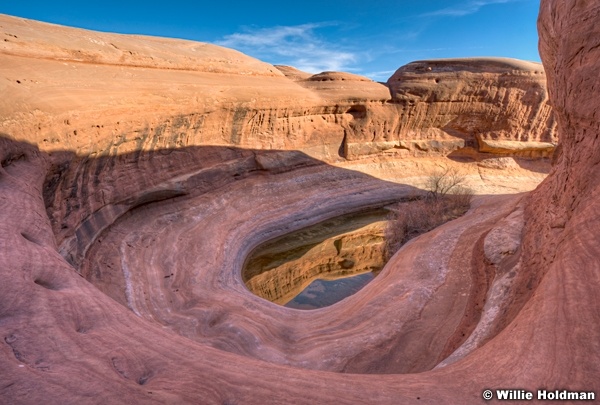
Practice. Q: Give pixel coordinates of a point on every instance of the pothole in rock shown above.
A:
(319, 265)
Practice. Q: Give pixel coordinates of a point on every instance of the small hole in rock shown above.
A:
(144, 379)
(30, 238)
(47, 284)
(10, 339)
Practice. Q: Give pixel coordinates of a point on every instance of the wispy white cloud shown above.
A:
(465, 8)
(442, 49)
(298, 46)
(380, 76)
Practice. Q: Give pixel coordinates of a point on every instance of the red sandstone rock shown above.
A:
(162, 220)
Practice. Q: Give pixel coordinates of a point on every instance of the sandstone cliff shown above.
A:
(98, 98)
(476, 101)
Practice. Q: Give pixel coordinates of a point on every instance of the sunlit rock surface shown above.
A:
(138, 174)
(479, 101)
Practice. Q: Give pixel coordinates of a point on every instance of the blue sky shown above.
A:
(371, 38)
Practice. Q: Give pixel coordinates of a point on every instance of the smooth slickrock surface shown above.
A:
(137, 174)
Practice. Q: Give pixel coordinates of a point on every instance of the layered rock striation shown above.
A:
(479, 101)
(99, 96)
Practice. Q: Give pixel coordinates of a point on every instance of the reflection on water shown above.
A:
(319, 265)
(323, 293)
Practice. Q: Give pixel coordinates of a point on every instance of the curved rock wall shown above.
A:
(561, 235)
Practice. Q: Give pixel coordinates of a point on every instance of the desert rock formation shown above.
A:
(139, 173)
(480, 102)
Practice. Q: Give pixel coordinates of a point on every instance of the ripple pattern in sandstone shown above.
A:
(65, 341)
(179, 263)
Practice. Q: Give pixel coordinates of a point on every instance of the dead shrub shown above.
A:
(442, 182)
(446, 200)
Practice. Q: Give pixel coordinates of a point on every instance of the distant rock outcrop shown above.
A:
(164, 93)
(479, 101)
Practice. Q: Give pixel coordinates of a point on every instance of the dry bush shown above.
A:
(442, 182)
(447, 200)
